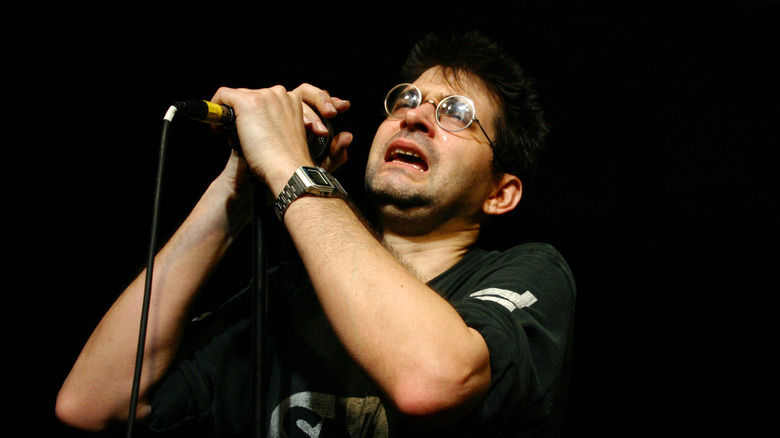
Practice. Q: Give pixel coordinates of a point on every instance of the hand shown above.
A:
(328, 106)
(270, 125)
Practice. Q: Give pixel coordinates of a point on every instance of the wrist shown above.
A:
(229, 204)
(307, 181)
(277, 177)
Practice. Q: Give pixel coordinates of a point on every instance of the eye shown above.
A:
(400, 99)
(455, 113)
(407, 100)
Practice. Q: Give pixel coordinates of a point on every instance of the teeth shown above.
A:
(409, 158)
(407, 153)
(411, 154)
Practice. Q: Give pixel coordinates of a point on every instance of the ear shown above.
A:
(505, 197)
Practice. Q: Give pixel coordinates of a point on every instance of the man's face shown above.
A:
(418, 170)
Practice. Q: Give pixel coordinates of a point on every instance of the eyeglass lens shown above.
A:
(402, 98)
(454, 113)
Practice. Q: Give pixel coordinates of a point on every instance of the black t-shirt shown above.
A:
(520, 300)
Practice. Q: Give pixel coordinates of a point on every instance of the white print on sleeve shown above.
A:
(507, 298)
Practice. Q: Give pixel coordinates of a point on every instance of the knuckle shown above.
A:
(255, 99)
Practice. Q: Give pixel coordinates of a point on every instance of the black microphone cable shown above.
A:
(139, 358)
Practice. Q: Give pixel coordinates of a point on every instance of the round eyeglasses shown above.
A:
(454, 113)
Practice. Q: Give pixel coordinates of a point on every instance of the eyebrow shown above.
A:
(437, 97)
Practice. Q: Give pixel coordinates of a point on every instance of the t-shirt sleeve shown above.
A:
(203, 392)
(523, 307)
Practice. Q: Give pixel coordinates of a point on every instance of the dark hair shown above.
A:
(519, 126)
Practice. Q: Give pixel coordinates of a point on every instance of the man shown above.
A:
(413, 332)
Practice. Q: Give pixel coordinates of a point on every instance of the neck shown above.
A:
(431, 254)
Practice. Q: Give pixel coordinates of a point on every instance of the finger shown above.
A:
(340, 143)
(218, 98)
(225, 94)
(318, 104)
(338, 151)
(313, 121)
(341, 104)
(317, 98)
(327, 105)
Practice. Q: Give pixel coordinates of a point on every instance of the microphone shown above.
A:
(223, 115)
(207, 112)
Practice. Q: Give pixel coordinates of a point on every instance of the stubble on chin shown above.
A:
(388, 195)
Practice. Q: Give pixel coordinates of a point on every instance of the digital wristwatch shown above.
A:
(307, 180)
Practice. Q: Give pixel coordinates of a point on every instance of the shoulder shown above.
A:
(536, 269)
(534, 253)
(537, 260)
(527, 262)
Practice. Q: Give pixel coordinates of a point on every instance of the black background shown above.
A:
(657, 186)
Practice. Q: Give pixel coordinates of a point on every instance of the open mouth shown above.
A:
(407, 157)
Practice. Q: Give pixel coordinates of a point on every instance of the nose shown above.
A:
(422, 118)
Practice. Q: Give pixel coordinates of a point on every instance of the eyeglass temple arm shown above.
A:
(484, 132)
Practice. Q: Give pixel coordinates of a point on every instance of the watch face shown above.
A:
(317, 177)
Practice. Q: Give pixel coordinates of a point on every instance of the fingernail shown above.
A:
(320, 126)
(330, 107)
(306, 119)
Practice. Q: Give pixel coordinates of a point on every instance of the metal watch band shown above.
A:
(307, 181)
